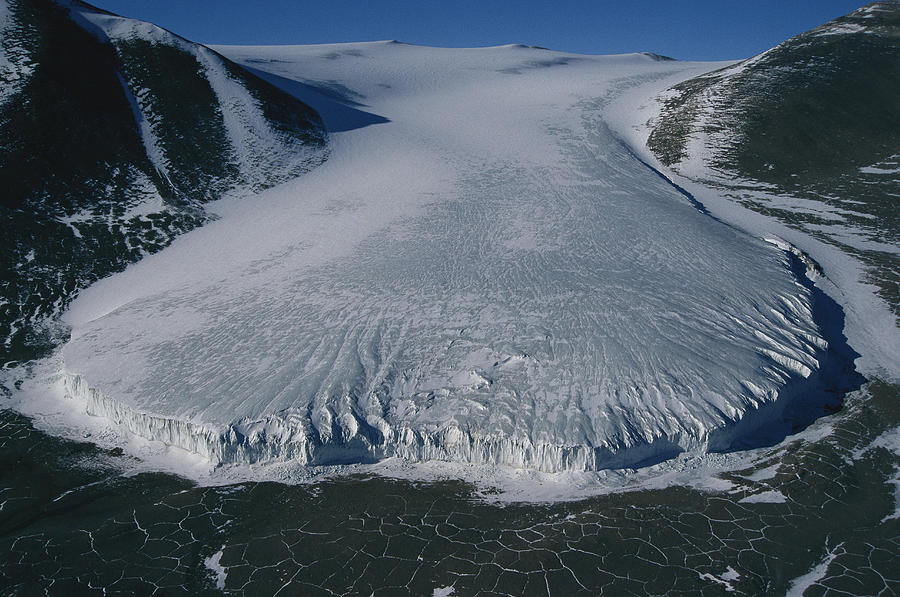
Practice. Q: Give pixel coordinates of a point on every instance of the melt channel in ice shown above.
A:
(480, 272)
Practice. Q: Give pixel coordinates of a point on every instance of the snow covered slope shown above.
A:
(113, 133)
(481, 272)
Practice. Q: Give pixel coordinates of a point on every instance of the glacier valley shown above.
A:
(402, 320)
(483, 271)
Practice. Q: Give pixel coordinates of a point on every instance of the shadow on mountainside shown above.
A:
(337, 109)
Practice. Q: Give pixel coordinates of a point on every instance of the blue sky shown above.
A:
(688, 30)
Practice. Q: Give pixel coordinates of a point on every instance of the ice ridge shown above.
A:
(291, 437)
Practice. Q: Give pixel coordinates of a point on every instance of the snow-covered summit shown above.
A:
(481, 272)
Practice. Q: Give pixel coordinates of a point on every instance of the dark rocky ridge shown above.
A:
(815, 118)
(82, 197)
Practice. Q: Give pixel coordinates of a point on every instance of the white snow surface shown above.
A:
(212, 564)
(487, 275)
(723, 579)
(765, 497)
(800, 584)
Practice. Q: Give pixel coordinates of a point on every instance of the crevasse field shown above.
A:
(486, 273)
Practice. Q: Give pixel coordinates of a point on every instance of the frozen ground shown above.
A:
(481, 272)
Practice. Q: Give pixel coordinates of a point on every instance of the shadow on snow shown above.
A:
(337, 105)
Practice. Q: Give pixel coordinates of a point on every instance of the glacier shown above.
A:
(482, 271)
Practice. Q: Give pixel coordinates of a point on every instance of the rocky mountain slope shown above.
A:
(807, 132)
(114, 133)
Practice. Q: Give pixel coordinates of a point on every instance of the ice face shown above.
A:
(490, 276)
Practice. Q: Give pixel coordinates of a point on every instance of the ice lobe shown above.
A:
(488, 277)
